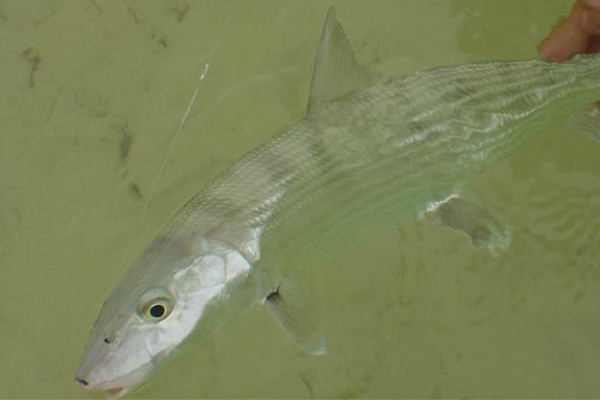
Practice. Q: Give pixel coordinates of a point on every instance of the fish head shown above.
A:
(154, 309)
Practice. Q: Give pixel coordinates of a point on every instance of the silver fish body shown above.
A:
(367, 159)
(384, 154)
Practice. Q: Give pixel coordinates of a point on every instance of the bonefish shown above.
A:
(368, 155)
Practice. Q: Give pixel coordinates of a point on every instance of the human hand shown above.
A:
(579, 33)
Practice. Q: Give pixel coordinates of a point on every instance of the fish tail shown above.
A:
(588, 72)
(587, 121)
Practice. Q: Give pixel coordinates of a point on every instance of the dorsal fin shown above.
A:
(336, 71)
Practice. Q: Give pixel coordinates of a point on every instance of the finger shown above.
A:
(564, 42)
(592, 3)
(574, 35)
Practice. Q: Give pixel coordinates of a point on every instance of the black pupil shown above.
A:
(157, 310)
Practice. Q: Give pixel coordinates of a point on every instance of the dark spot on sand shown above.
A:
(135, 189)
(179, 11)
(161, 39)
(126, 138)
(32, 57)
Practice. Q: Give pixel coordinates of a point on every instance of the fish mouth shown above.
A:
(115, 388)
(116, 392)
(110, 389)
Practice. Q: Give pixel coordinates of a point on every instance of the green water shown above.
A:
(92, 94)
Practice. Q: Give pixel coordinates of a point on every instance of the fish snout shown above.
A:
(110, 392)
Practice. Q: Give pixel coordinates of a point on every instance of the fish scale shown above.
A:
(385, 172)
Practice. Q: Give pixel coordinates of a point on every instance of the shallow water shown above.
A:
(93, 94)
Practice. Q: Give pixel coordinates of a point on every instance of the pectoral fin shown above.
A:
(483, 228)
(587, 122)
(292, 307)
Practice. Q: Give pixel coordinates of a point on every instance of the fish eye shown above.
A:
(157, 311)
(155, 305)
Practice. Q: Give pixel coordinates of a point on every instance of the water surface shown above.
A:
(92, 96)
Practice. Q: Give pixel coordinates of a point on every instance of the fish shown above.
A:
(369, 155)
